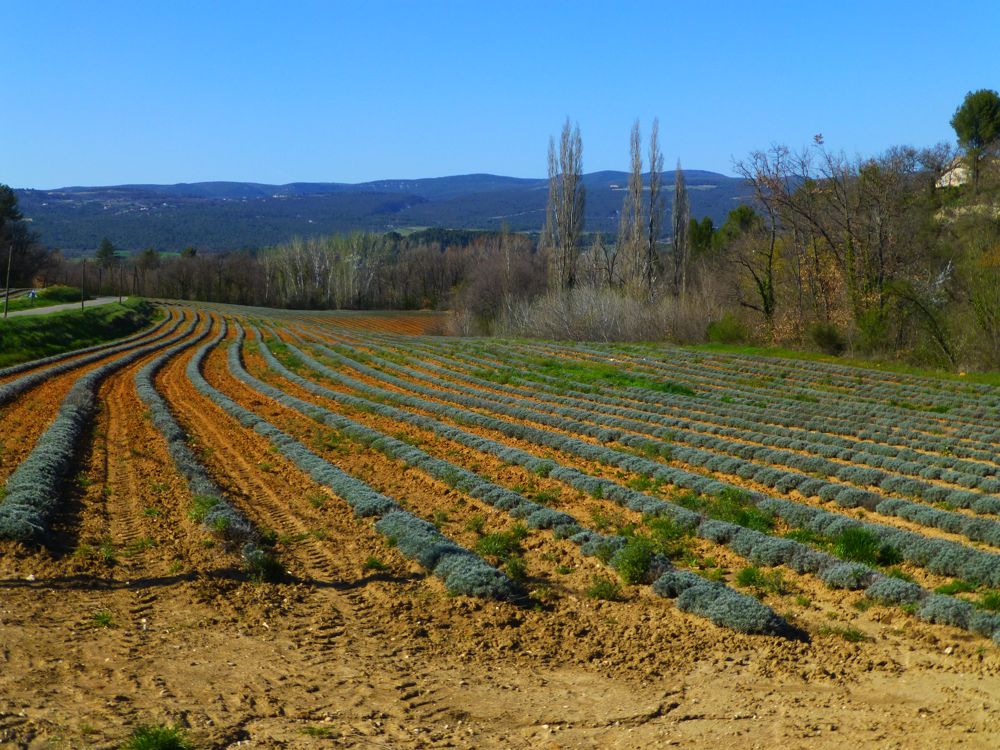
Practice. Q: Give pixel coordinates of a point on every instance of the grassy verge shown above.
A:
(986, 378)
(53, 295)
(37, 336)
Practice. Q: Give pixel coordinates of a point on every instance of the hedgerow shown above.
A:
(105, 347)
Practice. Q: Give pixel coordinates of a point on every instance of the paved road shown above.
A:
(58, 308)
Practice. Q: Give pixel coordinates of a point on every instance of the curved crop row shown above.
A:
(32, 491)
(746, 459)
(757, 547)
(720, 421)
(216, 514)
(462, 571)
(22, 366)
(716, 601)
(13, 389)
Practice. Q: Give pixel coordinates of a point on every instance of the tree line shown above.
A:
(894, 254)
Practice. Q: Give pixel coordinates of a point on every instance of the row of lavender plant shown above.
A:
(756, 546)
(216, 514)
(32, 492)
(11, 390)
(461, 570)
(711, 599)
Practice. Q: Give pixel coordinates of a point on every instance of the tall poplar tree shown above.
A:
(680, 241)
(654, 213)
(631, 244)
(564, 212)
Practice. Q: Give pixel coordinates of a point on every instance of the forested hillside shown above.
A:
(233, 215)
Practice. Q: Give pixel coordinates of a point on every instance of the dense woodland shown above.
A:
(890, 255)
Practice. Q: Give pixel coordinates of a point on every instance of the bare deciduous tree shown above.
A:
(631, 245)
(654, 215)
(680, 242)
(564, 213)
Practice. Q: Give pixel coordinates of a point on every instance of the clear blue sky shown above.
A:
(104, 92)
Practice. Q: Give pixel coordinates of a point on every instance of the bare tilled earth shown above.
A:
(345, 658)
(132, 614)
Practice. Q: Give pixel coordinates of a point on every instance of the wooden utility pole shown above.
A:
(6, 296)
(83, 284)
(121, 282)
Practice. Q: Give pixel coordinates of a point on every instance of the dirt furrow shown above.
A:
(319, 542)
(358, 648)
(804, 599)
(23, 421)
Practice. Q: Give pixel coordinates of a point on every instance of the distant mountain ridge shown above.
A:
(230, 215)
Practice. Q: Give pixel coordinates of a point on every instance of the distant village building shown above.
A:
(955, 175)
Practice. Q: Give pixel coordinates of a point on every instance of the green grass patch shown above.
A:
(36, 336)
(502, 545)
(732, 505)
(762, 582)
(634, 559)
(200, 505)
(849, 634)
(863, 546)
(805, 536)
(148, 737)
(604, 589)
(373, 563)
(476, 524)
(737, 507)
(516, 568)
(934, 408)
(590, 374)
(668, 538)
(990, 600)
(53, 295)
(287, 358)
(318, 732)
(958, 586)
(140, 545)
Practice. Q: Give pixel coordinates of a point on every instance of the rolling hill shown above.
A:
(229, 215)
